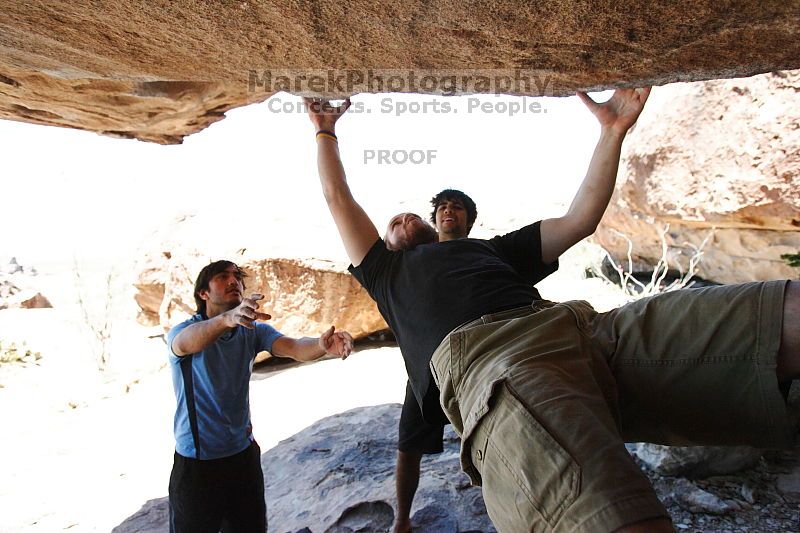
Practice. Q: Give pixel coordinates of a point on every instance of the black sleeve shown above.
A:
(522, 249)
(372, 268)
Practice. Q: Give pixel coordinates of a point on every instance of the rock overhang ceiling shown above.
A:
(159, 71)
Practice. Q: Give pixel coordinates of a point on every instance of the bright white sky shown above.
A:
(70, 193)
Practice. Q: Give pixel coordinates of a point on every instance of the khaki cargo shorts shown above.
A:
(544, 398)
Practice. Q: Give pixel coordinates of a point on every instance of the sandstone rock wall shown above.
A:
(160, 71)
(720, 155)
(305, 296)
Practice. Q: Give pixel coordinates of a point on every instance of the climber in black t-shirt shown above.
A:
(545, 394)
(453, 215)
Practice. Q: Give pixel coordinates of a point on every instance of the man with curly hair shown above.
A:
(453, 214)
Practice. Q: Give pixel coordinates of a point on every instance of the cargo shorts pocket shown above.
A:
(527, 476)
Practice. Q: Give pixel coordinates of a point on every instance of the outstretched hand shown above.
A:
(246, 313)
(338, 343)
(620, 112)
(324, 115)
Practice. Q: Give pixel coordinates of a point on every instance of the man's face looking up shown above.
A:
(451, 220)
(407, 230)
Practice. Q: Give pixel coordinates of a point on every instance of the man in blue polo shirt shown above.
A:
(216, 480)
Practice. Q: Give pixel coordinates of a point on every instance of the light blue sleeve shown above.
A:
(266, 336)
(171, 336)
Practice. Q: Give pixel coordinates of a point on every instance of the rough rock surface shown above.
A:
(343, 466)
(789, 484)
(752, 501)
(305, 296)
(161, 71)
(718, 154)
(338, 476)
(697, 460)
(697, 500)
(17, 287)
(341, 470)
(302, 296)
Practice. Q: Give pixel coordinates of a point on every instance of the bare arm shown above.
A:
(198, 336)
(357, 231)
(331, 342)
(584, 214)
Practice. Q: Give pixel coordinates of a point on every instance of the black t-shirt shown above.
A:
(425, 293)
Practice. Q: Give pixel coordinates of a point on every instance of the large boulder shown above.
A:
(697, 461)
(304, 295)
(716, 159)
(158, 72)
(337, 476)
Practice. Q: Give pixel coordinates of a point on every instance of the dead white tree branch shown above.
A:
(633, 288)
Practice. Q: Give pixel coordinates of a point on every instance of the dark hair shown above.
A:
(204, 277)
(454, 194)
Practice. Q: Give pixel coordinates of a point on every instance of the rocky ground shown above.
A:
(339, 474)
(763, 499)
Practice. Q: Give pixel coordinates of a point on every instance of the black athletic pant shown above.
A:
(218, 494)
